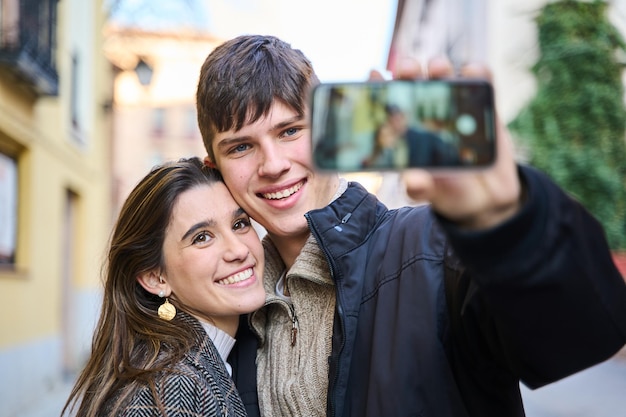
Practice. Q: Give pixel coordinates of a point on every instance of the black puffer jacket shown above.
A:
(418, 333)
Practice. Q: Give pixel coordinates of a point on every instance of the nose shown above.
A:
(235, 250)
(274, 161)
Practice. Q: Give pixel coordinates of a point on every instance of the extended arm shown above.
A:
(546, 284)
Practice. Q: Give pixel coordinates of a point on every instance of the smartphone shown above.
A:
(394, 125)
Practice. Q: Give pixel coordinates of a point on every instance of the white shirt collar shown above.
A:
(222, 341)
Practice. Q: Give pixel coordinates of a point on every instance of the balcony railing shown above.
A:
(28, 43)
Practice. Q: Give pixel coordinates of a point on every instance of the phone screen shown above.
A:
(393, 125)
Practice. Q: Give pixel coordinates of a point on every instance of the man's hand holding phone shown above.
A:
(475, 199)
(451, 148)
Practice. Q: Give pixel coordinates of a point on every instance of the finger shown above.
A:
(408, 69)
(440, 67)
(419, 184)
(505, 152)
(375, 75)
(475, 70)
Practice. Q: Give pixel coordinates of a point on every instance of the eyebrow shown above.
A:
(227, 142)
(238, 212)
(201, 225)
(210, 223)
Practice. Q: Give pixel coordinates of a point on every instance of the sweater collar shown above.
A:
(310, 264)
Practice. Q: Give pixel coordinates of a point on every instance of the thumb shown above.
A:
(419, 184)
(375, 75)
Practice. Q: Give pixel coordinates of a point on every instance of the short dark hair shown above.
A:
(242, 77)
(391, 109)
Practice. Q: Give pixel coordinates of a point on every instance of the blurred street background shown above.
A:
(93, 93)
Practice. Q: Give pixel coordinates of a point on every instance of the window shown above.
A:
(28, 42)
(158, 122)
(76, 100)
(191, 123)
(8, 209)
(9, 27)
(74, 92)
(38, 25)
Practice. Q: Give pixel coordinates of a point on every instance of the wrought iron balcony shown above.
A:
(28, 43)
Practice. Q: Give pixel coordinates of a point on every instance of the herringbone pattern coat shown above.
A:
(198, 386)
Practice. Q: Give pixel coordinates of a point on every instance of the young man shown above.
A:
(421, 146)
(435, 310)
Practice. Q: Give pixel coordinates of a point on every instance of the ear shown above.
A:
(209, 163)
(153, 283)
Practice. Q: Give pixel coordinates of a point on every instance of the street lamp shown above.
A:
(144, 72)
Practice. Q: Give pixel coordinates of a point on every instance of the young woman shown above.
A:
(184, 263)
(388, 152)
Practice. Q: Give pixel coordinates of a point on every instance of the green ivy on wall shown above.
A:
(575, 126)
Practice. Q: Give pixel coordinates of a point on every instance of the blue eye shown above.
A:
(240, 148)
(291, 131)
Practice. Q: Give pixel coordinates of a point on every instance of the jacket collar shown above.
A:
(339, 227)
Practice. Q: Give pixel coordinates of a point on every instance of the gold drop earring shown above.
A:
(166, 310)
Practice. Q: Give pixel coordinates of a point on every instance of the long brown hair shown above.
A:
(130, 343)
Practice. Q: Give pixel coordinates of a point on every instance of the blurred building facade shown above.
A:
(499, 33)
(154, 112)
(54, 190)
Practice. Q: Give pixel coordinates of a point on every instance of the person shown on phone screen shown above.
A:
(436, 310)
(422, 147)
(389, 150)
(183, 264)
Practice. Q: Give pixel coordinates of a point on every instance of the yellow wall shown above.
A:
(38, 131)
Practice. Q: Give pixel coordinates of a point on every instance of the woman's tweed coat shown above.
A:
(198, 385)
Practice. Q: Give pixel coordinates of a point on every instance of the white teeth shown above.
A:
(284, 193)
(240, 276)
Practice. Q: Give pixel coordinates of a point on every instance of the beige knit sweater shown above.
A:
(292, 360)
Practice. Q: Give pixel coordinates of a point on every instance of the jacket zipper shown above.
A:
(294, 324)
(338, 304)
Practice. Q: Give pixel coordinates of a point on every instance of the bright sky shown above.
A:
(344, 39)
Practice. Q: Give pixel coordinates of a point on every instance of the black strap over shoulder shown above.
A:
(243, 361)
